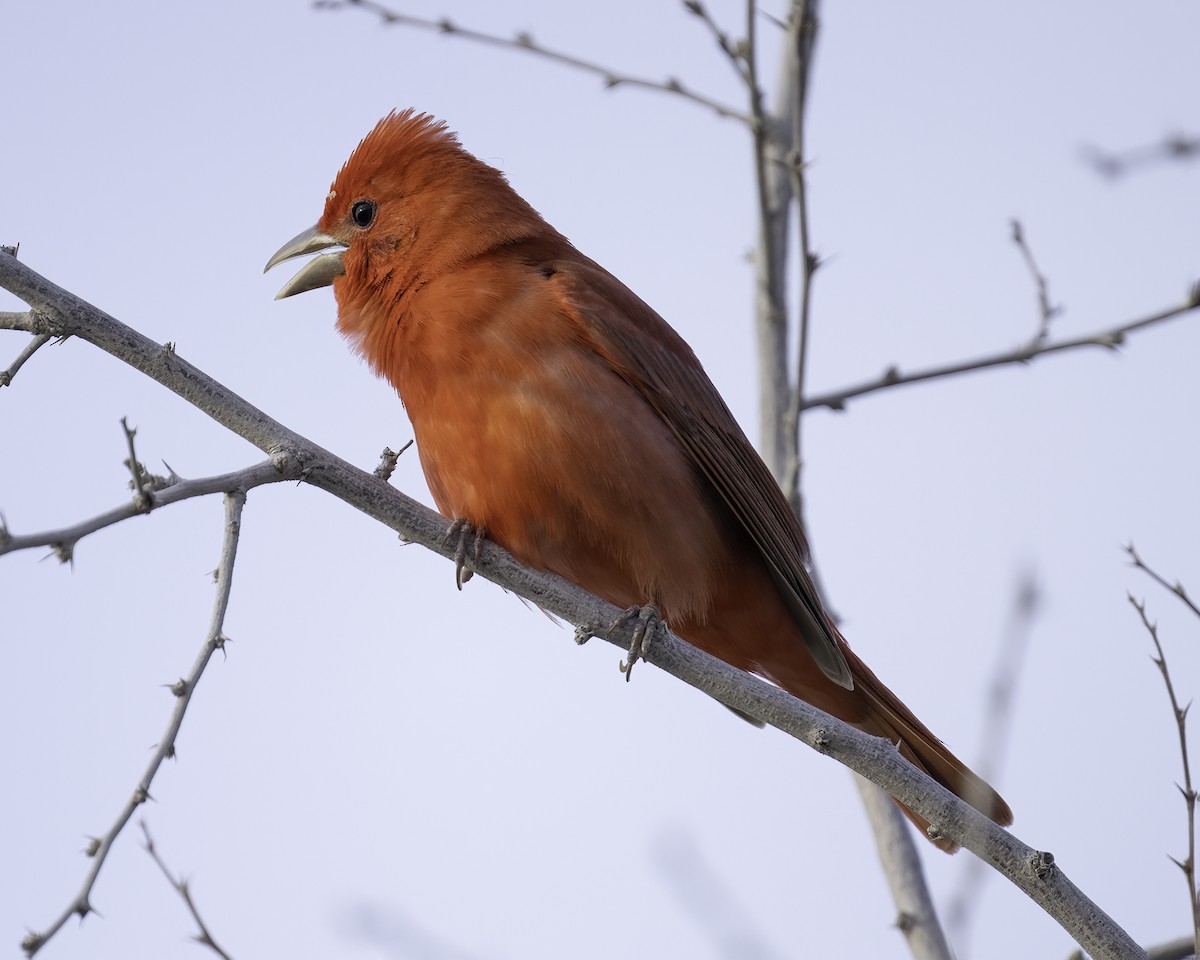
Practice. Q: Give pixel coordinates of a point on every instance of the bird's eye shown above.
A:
(363, 213)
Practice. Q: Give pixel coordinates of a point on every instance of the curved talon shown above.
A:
(649, 625)
(463, 530)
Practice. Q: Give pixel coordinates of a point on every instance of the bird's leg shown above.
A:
(462, 531)
(649, 624)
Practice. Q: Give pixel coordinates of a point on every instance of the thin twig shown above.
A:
(34, 345)
(1046, 309)
(734, 51)
(143, 496)
(183, 689)
(1110, 339)
(1175, 588)
(63, 541)
(204, 937)
(1188, 864)
(524, 41)
(1173, 148)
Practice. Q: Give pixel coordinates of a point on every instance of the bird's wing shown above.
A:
(654, 360)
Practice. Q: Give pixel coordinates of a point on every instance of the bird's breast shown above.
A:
(536, 438)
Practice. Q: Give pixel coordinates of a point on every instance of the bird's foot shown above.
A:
(649, 624)
(465, 534)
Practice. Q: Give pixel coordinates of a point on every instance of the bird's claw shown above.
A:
(649, 624)
(460, 532)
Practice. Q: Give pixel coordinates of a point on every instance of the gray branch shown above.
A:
(98, 849)
(60, 313)
(1111, 338)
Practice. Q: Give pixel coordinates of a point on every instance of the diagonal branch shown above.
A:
(1111, 339)
(204, 937)
(183, 689)
(524, 41)
(63, 541)
(1175, 588)
(1034, 872)
(34, 345)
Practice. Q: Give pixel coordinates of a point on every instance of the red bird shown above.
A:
(558, 412)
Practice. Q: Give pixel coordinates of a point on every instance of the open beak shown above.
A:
(319, 271)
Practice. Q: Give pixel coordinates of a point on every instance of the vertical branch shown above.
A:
(802, 35)
(779, 176)
(1188, 864)
(770, 276)
(915, 914)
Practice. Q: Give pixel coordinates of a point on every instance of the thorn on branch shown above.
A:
(143, 498)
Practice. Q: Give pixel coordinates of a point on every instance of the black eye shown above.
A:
(363, 213)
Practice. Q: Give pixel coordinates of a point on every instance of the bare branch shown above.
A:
(802, 35)
(204, 937)
(1034, 872)
(1188, 864)
(916, 917)
(1174, 148)
(1111, 339)
(735, 51)
(1046, 309)
(183, 689)
(143, 497)
(63, 541)
(1175, 588)
(34, 345)
(524, 41)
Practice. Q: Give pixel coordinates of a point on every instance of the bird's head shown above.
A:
(408, 204)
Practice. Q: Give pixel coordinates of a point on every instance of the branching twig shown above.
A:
(143, 498)
(1188, 864)
(1032, 871)
(1110, 339)
(63, 541)
(34, 345)
(733, 50)
(183, 689)
(1046, 309)
(1171, 149)
(204, 937)
(1175, 588)
(524, 41)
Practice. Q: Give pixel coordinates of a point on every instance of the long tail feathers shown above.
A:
(890, 718)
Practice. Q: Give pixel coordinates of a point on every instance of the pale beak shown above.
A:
(318, 272)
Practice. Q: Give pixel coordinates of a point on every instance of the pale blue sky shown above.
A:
(454, 761)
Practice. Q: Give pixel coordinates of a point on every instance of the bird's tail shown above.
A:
(887, 717)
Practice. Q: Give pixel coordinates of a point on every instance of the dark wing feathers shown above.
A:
(665, 371)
